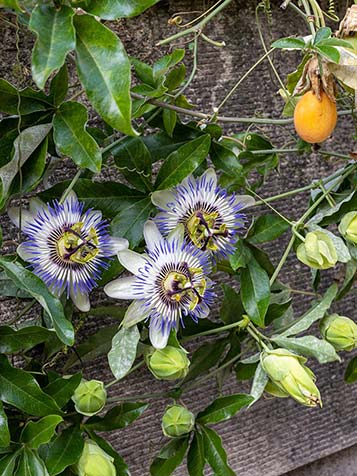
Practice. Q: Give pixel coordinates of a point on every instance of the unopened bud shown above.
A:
(89, 397)
(94, 461)
(340, 331)
(177, 421)
(348, 227)
(169, 363)
(318, 251)
(289, 374)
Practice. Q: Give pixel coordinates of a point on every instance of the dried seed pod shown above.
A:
(317, 77)
(348, 26)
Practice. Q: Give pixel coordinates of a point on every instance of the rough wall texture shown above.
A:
(275, 436)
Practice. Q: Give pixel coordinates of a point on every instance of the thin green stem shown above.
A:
(194, 68)
(112, 145)
(245, 75)
(271, 207)
(70, 186)
(256, 337)
(133, 369)
(283, 259)
(215, 331)
(142, 396)
(219, 44)
(198, 27)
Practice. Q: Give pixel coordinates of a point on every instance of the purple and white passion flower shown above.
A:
(66, 246)
(211, 218)
(169, 282)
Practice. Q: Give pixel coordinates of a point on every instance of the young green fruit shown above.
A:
(348, 227)
(89, 397)
(94, 462)
(340, 331)
(318, 251)
(170, 363)
(177, 421)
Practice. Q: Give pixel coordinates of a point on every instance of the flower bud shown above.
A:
(169, 363)
(94, 461)
(289, 374)
(177, 421)
(340, 331)
(318, 251)
(348, 227)
(89, 397)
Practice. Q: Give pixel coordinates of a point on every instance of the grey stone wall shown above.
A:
(273, 437)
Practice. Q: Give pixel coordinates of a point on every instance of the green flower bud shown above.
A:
(89, 397)
(274, 390)
(340, 331)
(318, 251)
(169, 363)
(348, 227)
(289, 374)
(94, 461)
(177, 421)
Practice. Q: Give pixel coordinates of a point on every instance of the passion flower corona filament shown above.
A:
(67, 246)
(211, 218)
(170, 281)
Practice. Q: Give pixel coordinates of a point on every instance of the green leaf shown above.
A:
(30, 464)
(314, 314)
(129, 223)
(24, 146)
(322, 34)
(169, 458)
(96, 345)
(65, 450)
(123, 352)
(169, 118)
(245, 371)
(182, 162)
(164, 64)
(231, 308)
(241, 256)
(112, 9)
(196, 456)
(4, 429)
(13, 4)
(13, 341)
(259, 382)
(72, 139)
(24, 279)
(335, 42)
(120, 416)
(224, 408)
(310, 346)
(7, 464)
(351, 371)
(289, 43)
(55, 39)
(35, 434)
(134, 161)
(175, 77)
(59, 86)
(255, 292)
(215, 453)
(119, 463)
(12, 101)
(205, 357)
(104, 71)
(267, 228)
(329, 52)
(109, 197)
(226, 160)
(61, 389)
(19, 389)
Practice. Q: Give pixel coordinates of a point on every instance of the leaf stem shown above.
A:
(70, 186)
(196, 28)
(283, 259)
(215, 331)
(135, 367)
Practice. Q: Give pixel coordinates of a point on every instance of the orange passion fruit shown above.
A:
(315, 119)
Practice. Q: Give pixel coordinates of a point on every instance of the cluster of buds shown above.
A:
(170, 363)
(348, 227)
(290, 377)
(177, 421)
(340, 331)
(94, 462)
(89, 397)
(317, 251)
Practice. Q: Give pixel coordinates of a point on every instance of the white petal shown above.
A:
(131, 261)
(72, 196)
(135, 313)
(80, 300)
(22, 251)
(244, 200)
(118, 244)
(94, 215)
(14, 215)
(205, 310)
(161, 198)
(36, 205)
(211, 176)
(157, 338)
(177, 233)
(152, 235)
(121, 288)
